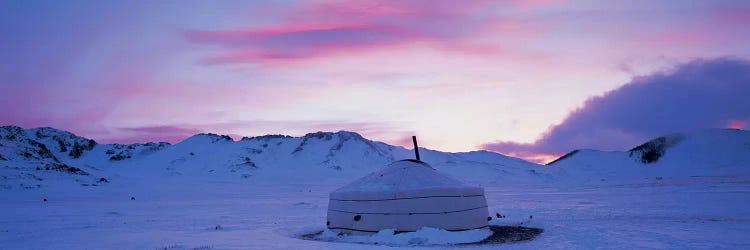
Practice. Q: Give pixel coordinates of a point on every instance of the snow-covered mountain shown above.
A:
(708, 153)
(45, 157)
(29, 158)
(38, 157)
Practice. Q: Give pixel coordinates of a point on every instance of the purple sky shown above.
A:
(531, 78)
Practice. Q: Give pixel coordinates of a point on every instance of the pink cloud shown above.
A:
(169, 134)
(331, 28)
(41, 105)
(716, 27)
(97, 111)
(299, 43)
(535, 3)
(735, 16)
(359, 10)
(737, 124)
(175, 133)
(381, 131)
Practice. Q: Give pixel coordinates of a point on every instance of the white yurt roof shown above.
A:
(405, 179)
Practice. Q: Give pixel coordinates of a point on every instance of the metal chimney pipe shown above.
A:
(416, 147)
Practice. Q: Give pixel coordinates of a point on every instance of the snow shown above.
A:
(403, 179)
(425, 236)
(704, 213)
(695, 196)
(702, 153)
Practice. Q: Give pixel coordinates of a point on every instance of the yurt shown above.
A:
(405, 196)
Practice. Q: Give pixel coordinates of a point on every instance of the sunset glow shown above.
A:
(461, 75)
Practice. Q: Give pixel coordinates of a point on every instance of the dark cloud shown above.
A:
(698, 94)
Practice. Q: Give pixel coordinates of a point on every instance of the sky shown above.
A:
(527, 78)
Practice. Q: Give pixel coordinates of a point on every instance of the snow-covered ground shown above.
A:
(709, 213)
(267, 192)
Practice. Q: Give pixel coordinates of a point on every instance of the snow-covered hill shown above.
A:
(31, 158)
(708, 153)
(46, 157)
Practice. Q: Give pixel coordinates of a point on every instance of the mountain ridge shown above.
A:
(27, 154)
(46, 157)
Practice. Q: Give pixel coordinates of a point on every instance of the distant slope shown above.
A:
(702, 153)
(31, 158)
